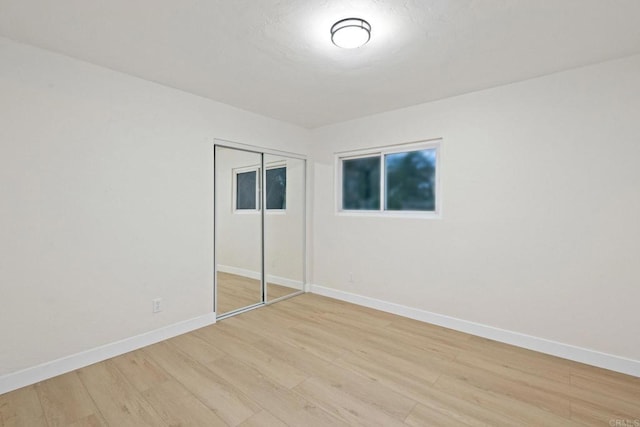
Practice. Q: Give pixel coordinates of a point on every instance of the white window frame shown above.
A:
(261, 177)
(434, 144)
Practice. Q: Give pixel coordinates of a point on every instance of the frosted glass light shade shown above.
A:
(350, 33)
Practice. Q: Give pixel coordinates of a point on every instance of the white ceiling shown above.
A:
(275, 57)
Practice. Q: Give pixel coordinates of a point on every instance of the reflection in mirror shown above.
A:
(238, 228)
(284, 225)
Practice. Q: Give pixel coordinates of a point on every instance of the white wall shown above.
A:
(541, 210)
(106, 201)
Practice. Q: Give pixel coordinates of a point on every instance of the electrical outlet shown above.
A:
(157, 305)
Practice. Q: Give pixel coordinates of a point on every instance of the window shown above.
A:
(361, 183)
(247, 188)
(400, 180)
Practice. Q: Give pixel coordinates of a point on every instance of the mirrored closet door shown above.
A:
(259, 228)
(284, 226)
(238, 228)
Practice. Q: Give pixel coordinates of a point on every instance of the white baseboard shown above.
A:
(282, 281)
(32, 375)
(542, 345)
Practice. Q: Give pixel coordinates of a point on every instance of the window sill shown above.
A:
(256, 212)
(392, 214)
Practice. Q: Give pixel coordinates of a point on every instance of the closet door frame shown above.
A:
(261, 151)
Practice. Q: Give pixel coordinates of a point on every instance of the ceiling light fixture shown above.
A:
(350, 33)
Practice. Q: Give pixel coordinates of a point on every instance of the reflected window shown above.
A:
(390, 180)
(276, 180)
(247, 189)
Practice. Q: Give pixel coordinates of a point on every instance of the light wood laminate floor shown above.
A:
(235, 292)
(314, 361)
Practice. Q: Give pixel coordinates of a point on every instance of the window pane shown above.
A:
(411, 180)
(246, 190)
(361, 183)
(277, 188)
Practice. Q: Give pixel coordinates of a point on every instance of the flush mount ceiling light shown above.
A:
(350, 33)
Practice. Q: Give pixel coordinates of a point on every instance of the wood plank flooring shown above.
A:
(314, 361)
(236, 292)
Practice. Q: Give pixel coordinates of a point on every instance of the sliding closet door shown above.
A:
(284, 225)
(238, 228)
